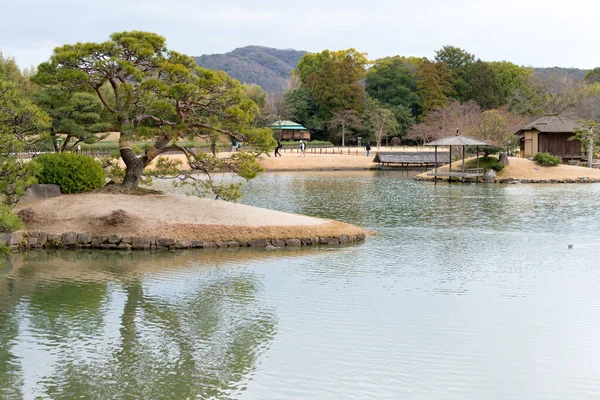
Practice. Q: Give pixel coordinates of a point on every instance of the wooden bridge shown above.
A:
(412, 158)
(459, 173)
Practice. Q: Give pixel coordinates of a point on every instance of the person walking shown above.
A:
(279, 146)
(368, 148)
(302, 148)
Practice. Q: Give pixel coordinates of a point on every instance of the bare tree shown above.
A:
(382, 121)
(345, 122)
(280, 110)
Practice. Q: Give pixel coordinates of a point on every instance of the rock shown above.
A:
(124, 246)
(183, 244)
(117, 217)
(140, 243)
(333, 240)
(504, 159)
(69, 238)
(84, 238)
(27, 215)
(126, 239)
(209, 245)
(293, 242)
(489, 175)
(42, 191)
(165, 242)
(257, 243)
(114, 239)
(32, 241)
(196, 244)
(222, 244)
(102, 239)
(108, 246)
(278, 243)
(5, 239)
(233, 244)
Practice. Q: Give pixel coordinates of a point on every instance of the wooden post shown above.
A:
(436, 166)
(477, 177)
(463, 163)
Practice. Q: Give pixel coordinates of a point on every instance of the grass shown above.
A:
(485, 163)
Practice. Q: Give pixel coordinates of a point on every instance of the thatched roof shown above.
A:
(413, 157)
(551, 124)
(457, 141)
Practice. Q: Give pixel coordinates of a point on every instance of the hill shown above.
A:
(264, 66)
(574, 72)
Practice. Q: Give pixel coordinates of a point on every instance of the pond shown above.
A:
(462, 292)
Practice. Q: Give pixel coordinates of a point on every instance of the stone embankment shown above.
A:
(22, 241)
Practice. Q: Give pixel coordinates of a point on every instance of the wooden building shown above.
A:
(290, 130)
(549, 134)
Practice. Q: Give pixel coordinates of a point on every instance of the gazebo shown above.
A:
(463, 142)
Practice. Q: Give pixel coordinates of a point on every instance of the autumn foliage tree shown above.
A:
(156, 94)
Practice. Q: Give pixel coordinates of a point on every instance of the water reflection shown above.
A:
(113, 325)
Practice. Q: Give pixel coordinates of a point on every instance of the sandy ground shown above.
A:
(174, 216)
(522, 168)
(330, 159)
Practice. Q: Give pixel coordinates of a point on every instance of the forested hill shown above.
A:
(574, 72)
(267, 67)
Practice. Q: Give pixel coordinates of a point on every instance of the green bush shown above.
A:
(497, 166)
(74, 173)
(9, 222)
(546, 159)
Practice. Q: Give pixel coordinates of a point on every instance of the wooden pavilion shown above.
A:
(458, 141)
(290, 130)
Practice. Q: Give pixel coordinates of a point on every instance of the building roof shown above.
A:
(412, 157)
(287, 125)
(456, 141)
(551, 123)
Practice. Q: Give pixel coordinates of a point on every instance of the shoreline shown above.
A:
(167, 222)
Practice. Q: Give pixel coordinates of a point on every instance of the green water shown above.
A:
(465, 292)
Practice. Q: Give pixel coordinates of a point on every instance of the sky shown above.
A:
(539, 33)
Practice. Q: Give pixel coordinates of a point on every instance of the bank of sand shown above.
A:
(177, 217)
(522, 169)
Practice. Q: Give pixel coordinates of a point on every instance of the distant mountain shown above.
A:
(574, 72)
(267, 67)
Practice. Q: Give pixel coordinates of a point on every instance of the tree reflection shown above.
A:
(139, 335)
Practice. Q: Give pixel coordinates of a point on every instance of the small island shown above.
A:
(168, 222)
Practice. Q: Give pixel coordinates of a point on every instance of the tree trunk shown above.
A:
(134, 166)
(343, 134)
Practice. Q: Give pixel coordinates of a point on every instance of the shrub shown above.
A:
(497, 166)
(546, 159)
(9, 222)
(74, 173)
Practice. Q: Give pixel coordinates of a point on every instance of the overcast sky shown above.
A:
(541, 33)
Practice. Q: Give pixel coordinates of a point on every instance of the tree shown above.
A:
(345, 122)
(483, 85)
(493, 130)
(391, 82)
(592, 76)
(459, 62)
(304, 110)
(380, 120)
(336, 86)
(76, 117)
(155, 93)
(280, 110)
(510, 77)
(434, 84)
(314, 62)
(588, 133)
(19, 119)
(445, 121)
(10, 71)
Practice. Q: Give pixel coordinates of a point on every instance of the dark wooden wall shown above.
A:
(295, 134)
(558, 144)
